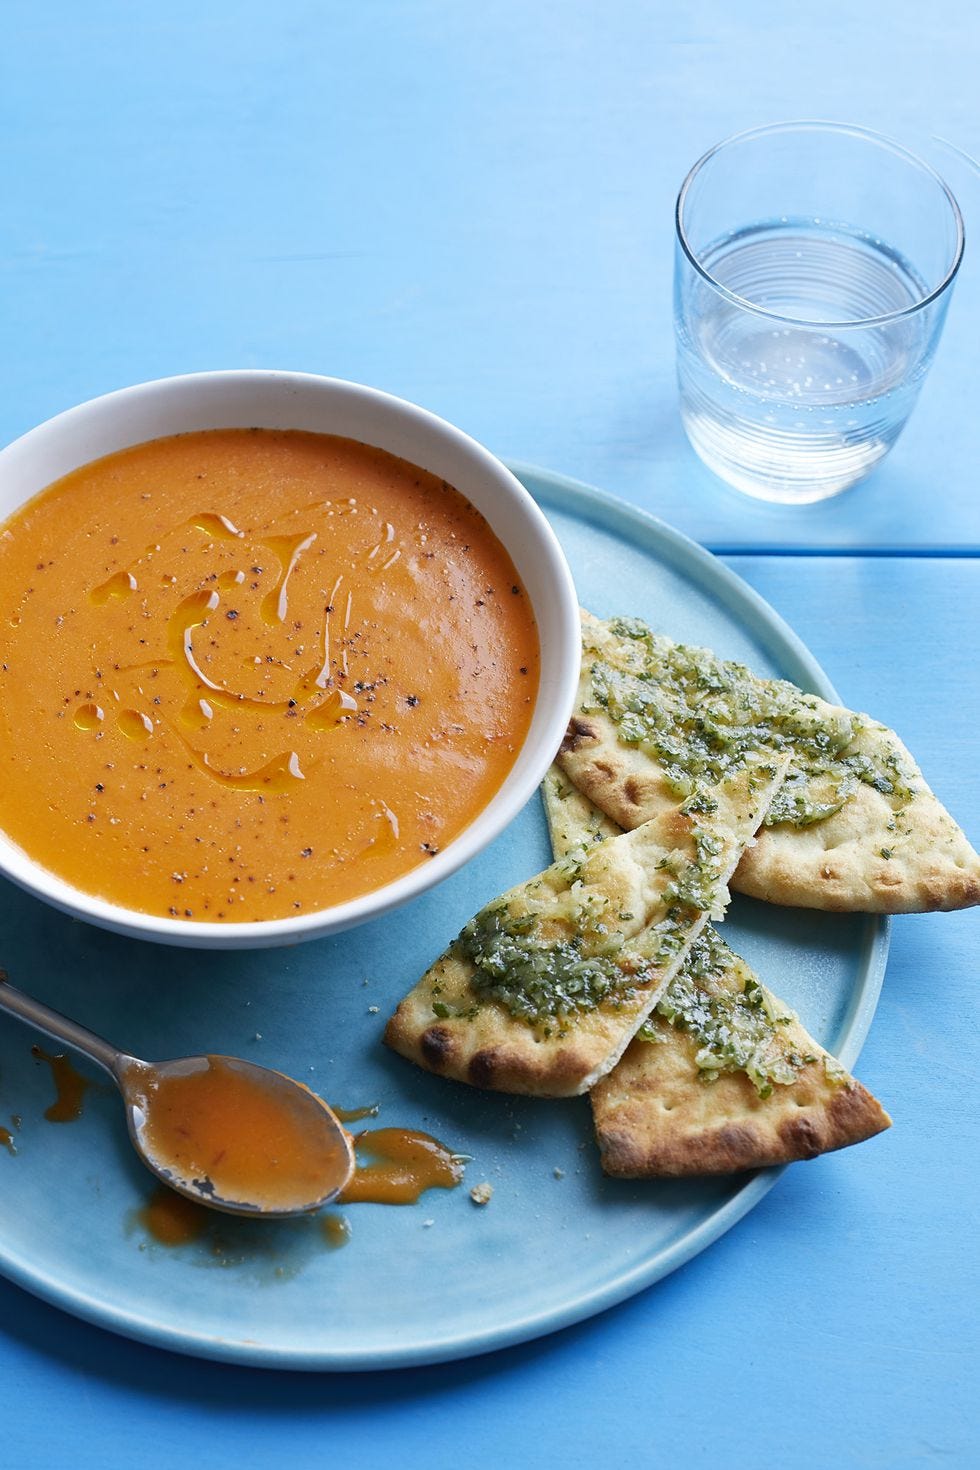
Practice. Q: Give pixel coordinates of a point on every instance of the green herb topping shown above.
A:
(703, 717)
(538, 979)
(736, 1026)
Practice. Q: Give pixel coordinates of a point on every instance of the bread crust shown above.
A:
(654, 1117)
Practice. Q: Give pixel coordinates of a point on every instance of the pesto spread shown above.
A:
(698, 883)
(538, 979)
(702, 717)
(581, 951)
(735, 1025)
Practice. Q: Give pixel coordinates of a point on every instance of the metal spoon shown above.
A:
(290, 1154)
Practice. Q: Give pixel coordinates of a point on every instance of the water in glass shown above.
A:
(801, 394)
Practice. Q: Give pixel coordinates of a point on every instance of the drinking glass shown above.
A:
(814, 266)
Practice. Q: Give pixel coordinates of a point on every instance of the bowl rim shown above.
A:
(555, 695)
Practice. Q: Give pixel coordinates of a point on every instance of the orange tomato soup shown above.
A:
(247, 674)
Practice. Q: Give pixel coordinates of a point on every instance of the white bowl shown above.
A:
(283, 400)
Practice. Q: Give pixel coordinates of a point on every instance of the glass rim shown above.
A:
(816, 125)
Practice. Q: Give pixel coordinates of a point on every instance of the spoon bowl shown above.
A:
(226, 1133)
(235, 1136)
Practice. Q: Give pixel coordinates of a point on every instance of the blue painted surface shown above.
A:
(471, 206)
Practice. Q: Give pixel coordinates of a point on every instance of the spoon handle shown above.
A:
(53, 1024)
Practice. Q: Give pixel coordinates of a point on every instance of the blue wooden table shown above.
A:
(471, 207)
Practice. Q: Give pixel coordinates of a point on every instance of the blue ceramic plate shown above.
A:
(442, 1279)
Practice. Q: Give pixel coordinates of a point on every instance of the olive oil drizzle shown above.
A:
(195, 611)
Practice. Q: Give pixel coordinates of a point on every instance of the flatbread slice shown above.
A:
(855, 826)
(660, 1112)
(722, 1076)
(543, 989)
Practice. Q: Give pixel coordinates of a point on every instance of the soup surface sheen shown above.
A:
(248, 674)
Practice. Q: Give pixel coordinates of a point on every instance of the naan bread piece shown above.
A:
(573, 820)
(543, 989)
(664, 1110)
(855, 827)
(722, 1077)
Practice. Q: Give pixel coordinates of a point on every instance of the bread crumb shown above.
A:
(373, 1010)
(480, 1193)
(558, 1173)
